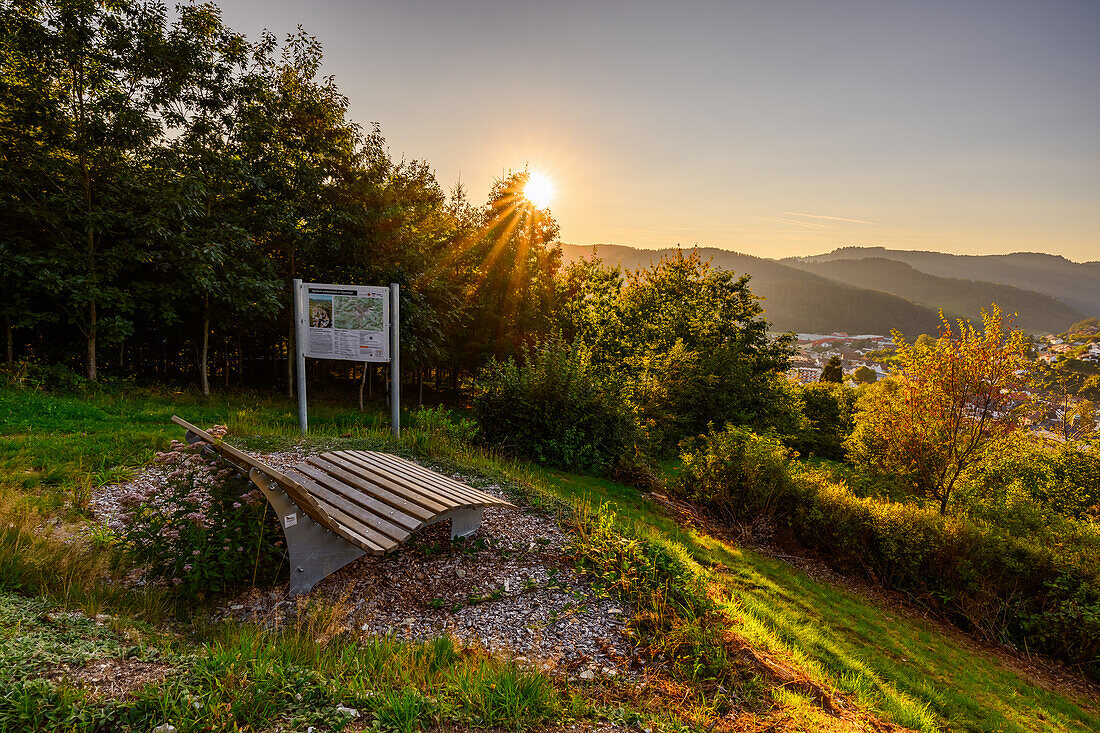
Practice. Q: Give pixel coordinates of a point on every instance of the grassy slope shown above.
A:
(893, 662)
(897, 663)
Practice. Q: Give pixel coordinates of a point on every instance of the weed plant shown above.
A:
(205, 530)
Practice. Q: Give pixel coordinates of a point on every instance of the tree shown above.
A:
(304, 156)
(687, 341)
(832, 371)
(864, 375)
(945, 406)
(514, 255)
(110, 72)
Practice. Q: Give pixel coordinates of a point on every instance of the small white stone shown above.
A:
(236, 607)
(166, 728)
(507, 589)
(587, 674)
(350, 712)
(460, 573)
(614, 610)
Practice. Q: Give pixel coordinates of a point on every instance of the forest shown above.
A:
(169, 178)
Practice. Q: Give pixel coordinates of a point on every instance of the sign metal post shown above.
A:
(395, 358)
(300, 312)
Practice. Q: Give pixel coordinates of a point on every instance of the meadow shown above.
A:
(796, 649)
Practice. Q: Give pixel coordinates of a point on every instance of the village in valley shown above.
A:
(1063, 402)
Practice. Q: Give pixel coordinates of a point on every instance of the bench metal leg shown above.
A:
(465, 522)
(315, 552)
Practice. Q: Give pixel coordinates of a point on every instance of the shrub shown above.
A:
(439, 421)
(48, 377)
(207, 530)
(551, 408)
(734, 471)
(828, 410)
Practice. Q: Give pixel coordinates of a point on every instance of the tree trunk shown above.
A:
(363, 383)
(10, 352)
(92, 326)
(420, 384)
(204, 363)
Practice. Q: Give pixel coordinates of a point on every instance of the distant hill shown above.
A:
(794, 299)
(1077, 284)
(958, 297)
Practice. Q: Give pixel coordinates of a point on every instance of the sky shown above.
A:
(774, 128)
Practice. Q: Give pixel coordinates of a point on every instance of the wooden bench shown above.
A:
(336, 507)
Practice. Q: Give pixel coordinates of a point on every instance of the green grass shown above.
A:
(241, 677)
(889, 661)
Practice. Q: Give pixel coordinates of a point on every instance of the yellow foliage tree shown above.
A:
(945, 404)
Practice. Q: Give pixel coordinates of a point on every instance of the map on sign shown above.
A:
(357, 314)
(346, 321)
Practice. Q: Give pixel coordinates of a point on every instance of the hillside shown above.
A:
(794, 299)
(958, 297)
(1073, 283)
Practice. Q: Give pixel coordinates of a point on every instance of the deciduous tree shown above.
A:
(944, 406)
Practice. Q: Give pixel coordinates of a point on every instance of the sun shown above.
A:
(539, 190)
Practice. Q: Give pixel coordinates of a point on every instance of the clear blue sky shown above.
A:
(774, 128)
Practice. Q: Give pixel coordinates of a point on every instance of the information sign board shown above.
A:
(345, 322)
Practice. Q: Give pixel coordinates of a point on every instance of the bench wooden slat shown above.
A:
(414, 472)
(337, 480)
(418, 494)
(417, 471)
(367, 525)
(450, 498)
(380, 546)
(369, 484)
(344, 526)
(333, 491)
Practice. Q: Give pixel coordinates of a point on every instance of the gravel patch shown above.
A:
(510, 588)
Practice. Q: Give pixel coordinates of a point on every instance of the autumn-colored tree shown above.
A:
(944, 406)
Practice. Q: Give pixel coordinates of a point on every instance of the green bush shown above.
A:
(552, 409)
(441, 422)
(48, 377)
(207, 531)
(734, 471)
(828, 410)
(1042, 591)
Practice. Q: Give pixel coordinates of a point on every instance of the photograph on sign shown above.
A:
(346, 322)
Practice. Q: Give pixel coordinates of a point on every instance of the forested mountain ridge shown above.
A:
(1077, 284)
(794, 300)
(956, 296)
(824, 293)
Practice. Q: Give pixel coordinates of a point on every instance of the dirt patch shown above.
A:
(111, 679)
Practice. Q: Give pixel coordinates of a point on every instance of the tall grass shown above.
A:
(36, 560)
